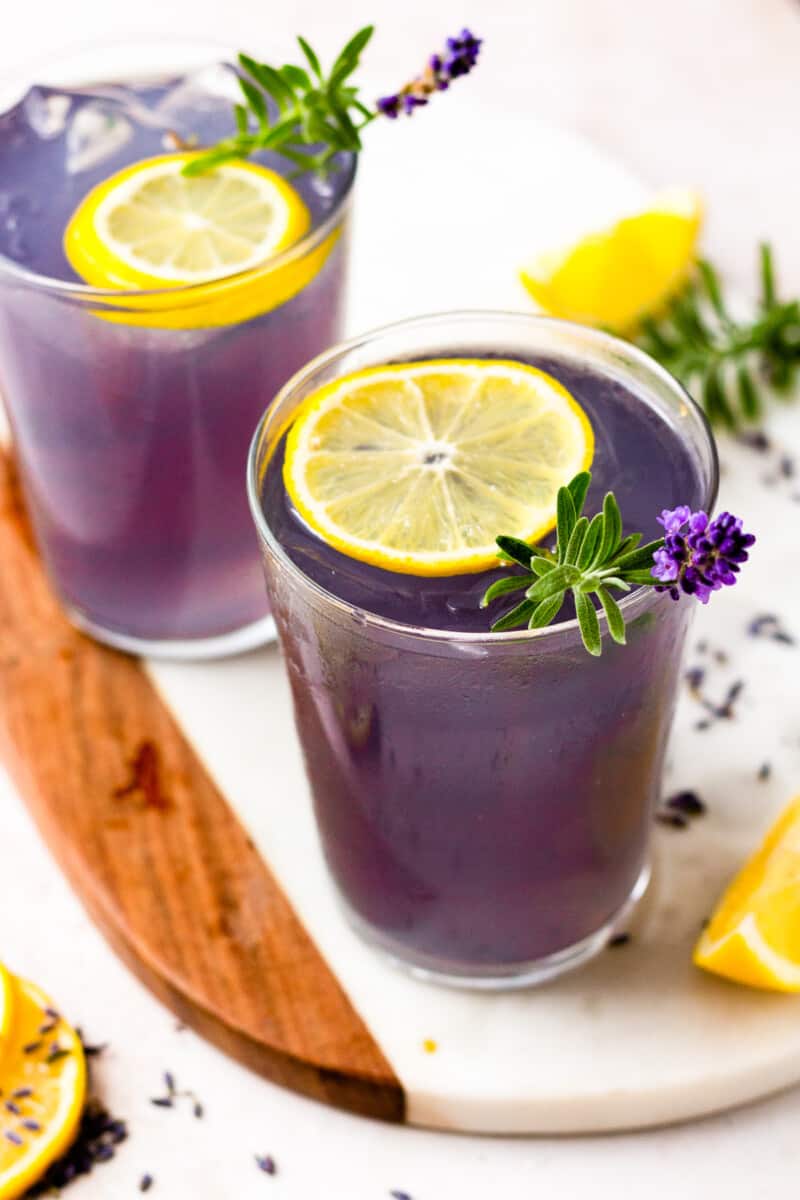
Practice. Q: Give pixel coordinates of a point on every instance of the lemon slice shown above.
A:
(43, 1076)
(417, 467)
(615, 277)
(754, 934)
(150, 227)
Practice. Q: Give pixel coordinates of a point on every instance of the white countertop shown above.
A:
(695, 91)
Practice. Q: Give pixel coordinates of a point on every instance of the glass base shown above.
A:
(517, 975)
(260, 633)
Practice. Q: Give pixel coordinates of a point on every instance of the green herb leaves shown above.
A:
(723, 362)
(591, 557)
(312, 117)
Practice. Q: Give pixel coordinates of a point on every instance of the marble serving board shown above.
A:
(174, 797)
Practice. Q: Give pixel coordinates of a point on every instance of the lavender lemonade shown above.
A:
(484, 800)
(131, 424)
(172, 248)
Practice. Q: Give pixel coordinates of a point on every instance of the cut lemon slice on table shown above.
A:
(754, 934)
(417, 467)
(151, 227)
(6, 1007)
(43, 1081)
(616, 276)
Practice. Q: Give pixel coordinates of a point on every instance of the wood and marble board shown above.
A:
(173, 797)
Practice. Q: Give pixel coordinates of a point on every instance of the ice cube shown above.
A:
(201, 91)
(96, 132)
(47, 112)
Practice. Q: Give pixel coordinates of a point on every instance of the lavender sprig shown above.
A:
(592, 558)
(458, 58)
(726, 363)
(309, 116)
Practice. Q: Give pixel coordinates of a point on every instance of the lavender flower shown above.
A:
(458, 58)
(699, 556)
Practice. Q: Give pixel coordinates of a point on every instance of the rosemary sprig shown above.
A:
(725, 363)
(591, 557)
(309, 108)
(309, 116)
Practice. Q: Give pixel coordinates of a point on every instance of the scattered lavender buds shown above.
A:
(723, 711)
(145, 1183)
(699, 556)
(754, 439)
(619, 940)
(678, 810)
(267, 1164)
(399, 1195)
(769, 626)
(98, 1136)
(174, 1093)
(687, 803)
(458, 58)
(673, 819)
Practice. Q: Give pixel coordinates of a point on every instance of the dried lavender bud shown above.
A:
(674, 819)
(145, 1183)
(266, 1163)
(688, 804)
(694, 677)
(764, 771)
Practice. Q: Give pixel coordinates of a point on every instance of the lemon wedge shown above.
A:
(754, 934)
(6, 1006)
(417, 467)
(44, 1077)
(615, 277)
(149, 227)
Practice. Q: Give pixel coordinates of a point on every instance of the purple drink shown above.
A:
(132, 436)
(485, 801)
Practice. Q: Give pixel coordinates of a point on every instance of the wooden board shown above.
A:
(156, 854)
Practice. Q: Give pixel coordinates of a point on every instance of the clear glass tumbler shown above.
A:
(132, 412)
(485, 801)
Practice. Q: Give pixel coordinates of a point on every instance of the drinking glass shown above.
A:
(485, 802)
(131, 412)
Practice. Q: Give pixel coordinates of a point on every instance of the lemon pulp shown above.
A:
(754, 934)
(614, 277)
(417, 467)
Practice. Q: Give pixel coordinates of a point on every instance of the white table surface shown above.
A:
(697, 90)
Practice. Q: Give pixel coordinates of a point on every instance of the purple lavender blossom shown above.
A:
(699, 556)
(458, 58)
(389, 106)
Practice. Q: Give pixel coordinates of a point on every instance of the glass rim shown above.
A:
(638, 600)
(186, 295)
